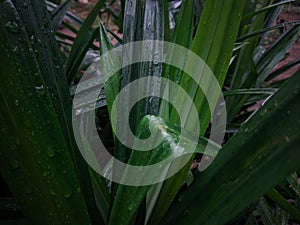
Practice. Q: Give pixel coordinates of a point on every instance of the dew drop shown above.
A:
(17, 141)
(287, 139)
(27, 123)
(25, 5)
(28, 191)
(52, 192)
(16, 50)
(186, 212)
(15, 164)
(67, 192)
(12, 26)
(50, 152)
(40, 89)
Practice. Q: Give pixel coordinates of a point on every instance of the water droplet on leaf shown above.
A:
(40, 89)
(52, 192)
(16, 50)
(27, 123)
(15, 164)
(28, 191)
(67, 192)
(12, 26)
(50, 152)
(25, 5)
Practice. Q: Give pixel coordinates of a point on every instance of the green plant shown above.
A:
(39, 158)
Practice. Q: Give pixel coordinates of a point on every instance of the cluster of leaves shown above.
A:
(39, 158)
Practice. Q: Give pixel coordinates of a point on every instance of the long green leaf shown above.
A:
(264, 30)
(266, 214)
(276, 53)
(82, 42)
(149, 17)
(58, 15)
(244, 75)
(38, 28)
(35, 160)
(182, 35)
(128, 198)
(284, 204)
(213, 44)
(51, 7)
(248, 166)
(267, 8)
(251, 91)
(283, 69)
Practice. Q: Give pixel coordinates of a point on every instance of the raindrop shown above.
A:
(32, 39)
(77, 112)
(12, 26)
(52, 192)
(186, 212)
(28, 191)
(27, 123)
(222, 103)
(15, 164)
(25, 5)
(16, 102)
(16, 50)
(67, 191)
(40, 89)
(50, 152)
(287, 139)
